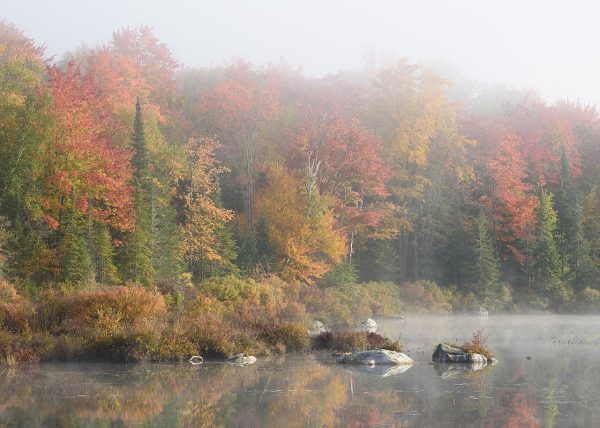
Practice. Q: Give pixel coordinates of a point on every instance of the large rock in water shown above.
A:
(376, 357)
(445, 353)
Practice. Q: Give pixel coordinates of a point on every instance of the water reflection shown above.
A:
(558, 388)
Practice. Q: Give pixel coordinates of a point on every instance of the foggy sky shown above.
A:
(547, 45)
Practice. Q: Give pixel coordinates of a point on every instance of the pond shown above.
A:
(558, 386)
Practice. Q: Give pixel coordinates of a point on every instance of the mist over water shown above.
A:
(557, 387)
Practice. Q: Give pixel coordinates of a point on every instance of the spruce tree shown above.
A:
(137, 251)
(103, 255)
(546, 267)
(76, 262)
(484, 271)
(567, 224)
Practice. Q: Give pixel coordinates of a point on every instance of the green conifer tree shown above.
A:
(137, 251)
(546, 267)
(103, 255)
(484, 272)
(76, 265)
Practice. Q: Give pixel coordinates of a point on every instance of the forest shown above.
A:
(120, 167)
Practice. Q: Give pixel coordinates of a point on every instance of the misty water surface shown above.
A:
(558, 387)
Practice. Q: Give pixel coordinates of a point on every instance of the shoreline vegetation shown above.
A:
(153, 211)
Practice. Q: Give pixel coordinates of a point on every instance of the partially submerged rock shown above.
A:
(376, 357)
(196, 360)
(369, 326)
(445, 353)
(241, 359)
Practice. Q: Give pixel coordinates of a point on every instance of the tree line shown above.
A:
(120, 165)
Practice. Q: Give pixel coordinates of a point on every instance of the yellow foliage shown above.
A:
(303, 233)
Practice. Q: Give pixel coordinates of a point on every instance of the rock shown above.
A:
(196, 360)
(397, 317)
(481, 312)
(369, 326)
(317, 328)
(445, 353)
(241, 359)
(376, 357)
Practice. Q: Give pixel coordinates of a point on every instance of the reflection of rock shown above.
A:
(241, 359)
(451, 370)
(378, 356)
(445, 353)
(317, 328)
(380, 371)
(370, 326)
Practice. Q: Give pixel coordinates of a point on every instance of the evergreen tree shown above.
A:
(566, 210)
(484, 272)
(377, 260)
(75, 260)
(137, 251)
(546, 266)
(583, 265)
(102, 255)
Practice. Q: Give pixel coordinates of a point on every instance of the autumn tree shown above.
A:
(206, 246)
(306, 243)
(239, 109)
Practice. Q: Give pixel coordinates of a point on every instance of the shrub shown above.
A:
(341, 276)
(343, 341)
(16, 316)
(426, 296)
(293, 335)
(351, 341)
(377, 341)
(76, 309)
(8, 293)
(15, 349)
(476, 345)
(589, 299)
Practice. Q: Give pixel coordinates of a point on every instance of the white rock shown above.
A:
(376, 357)
(241, 359)
(369, 326)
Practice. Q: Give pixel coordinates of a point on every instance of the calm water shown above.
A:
(560, 386)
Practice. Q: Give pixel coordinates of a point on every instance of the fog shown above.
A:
(550, 46)
(557, 387)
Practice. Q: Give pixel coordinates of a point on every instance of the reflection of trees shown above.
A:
(304, 392)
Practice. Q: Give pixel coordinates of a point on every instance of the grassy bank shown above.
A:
(216, 318)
